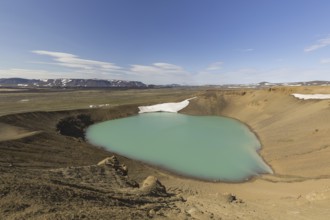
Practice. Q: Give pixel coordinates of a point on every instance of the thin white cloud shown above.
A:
(73, 61)
(215, 66)
(163, 73)
(157, 73)
(169, 67)
(324, 42)
(76, 67)
(325, 61)
(246, 50)
(158, 69)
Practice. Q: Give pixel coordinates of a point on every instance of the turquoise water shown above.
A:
(204, 147)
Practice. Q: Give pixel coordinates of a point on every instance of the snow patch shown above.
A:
(165, 107)
(311, 96)
(22, 85)
(65, 81)
(99, 106)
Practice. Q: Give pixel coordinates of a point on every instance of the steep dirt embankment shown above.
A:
(48, 148)
(293, 132)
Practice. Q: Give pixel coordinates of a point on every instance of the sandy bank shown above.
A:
(8, 132)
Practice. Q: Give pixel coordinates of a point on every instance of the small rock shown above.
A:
(151, 186)
(151, 213)
(233, 199)
(109, 161)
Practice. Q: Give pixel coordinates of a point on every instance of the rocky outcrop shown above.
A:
(152, 187)
(99, 191)
(113, 162)
(74, 126)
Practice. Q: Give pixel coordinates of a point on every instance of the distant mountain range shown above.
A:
(70, 83)
(100, 83)
(268, 84)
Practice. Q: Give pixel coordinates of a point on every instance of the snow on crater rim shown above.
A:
(311, 96)
(165, 107)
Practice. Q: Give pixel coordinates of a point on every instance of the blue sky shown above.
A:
(166, 41)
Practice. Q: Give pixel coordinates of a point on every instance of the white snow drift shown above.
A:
(165, 107)
(99, 106)
(311, 96)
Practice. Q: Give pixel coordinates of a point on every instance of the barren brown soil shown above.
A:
(48, 175)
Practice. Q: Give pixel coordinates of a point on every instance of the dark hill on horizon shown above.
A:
(70, 83)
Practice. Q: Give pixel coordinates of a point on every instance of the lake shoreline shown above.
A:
(172, 171)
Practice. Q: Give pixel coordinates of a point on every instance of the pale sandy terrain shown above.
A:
(295, 143)
(9, 132)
